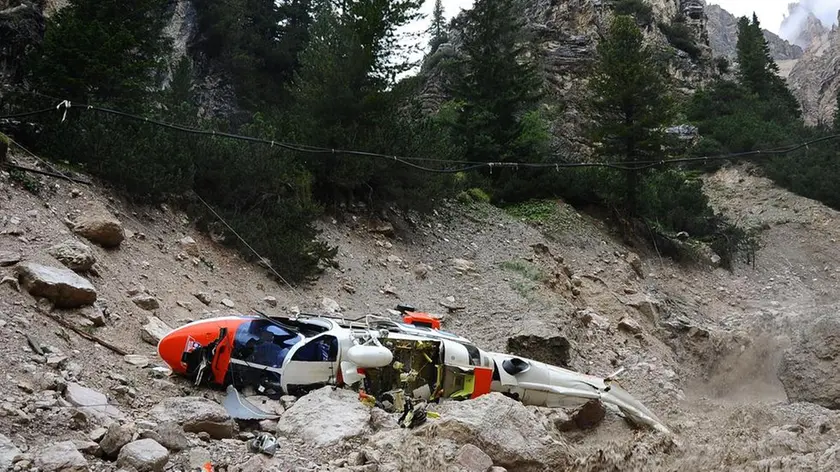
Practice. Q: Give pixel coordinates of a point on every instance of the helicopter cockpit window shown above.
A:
(264, 343)
(320, 349)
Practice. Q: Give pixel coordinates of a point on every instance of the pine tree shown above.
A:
(497, 83)
(438, 27)
(758, 72)
(103, 50)
(631, 100)
(257, 43)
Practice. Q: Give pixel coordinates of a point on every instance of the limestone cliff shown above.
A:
(565, 34)
(815, 79)
(723, 37)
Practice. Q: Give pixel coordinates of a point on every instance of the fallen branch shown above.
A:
(43, 172)
(81, 333)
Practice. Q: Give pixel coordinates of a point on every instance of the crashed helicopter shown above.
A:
(402, 361)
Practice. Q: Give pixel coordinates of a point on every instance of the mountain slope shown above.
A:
(723, 37)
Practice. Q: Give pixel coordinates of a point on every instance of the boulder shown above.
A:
(94, 314)
(511, 434)
(116, 437)
(630, 325)
(91, 402)
(100, 228)
(203, 297)
(146, 302)
(154, 330)
(195, 415)
(145, 455)
(473, 459)
(60, 457)
(73, 254)
(554, 350)
(325, 417)
(808, 369)
(172, 436)
(270, 301)
(189, 246)
(8, 453)
(63, 287)
(330, 306)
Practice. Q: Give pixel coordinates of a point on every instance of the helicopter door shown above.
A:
(314, 363)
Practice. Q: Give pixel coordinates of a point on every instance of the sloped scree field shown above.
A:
(740, 365)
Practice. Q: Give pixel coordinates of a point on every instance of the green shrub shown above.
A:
(681, 37)
(638, 9)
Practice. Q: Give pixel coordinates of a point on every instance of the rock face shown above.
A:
(8, 453)
(195, 415)
(815, 79)
(506, 430)
(325, 417)
(61, 457)
(564, 36)
(21, 27)
(145, 455)
(63, 287)
(100, 228)
(723, 37)
(73, 254)
(809, 368)
(154, 330)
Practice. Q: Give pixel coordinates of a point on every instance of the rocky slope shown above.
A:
(715, 354)
(723, 37)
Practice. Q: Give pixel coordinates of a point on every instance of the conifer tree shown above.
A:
(438, 27)
(631, 99)
(497, 84)
(103, 50)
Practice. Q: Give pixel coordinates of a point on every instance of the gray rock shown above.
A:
(195, 415)
(463, 266)
(8, 258)
(172, 436)
(325, 417)
(636, 263)
(63, 287)
(9, 453)
(228, 303)
(101, 228)
(137, 360)
(586, 417)
(473, 459)
(91, 402)
(510, 433)
(61, 457)
(154, 330)
(270, 301)
(630, 325)
(73, 254)
(808, 370)
(94, 314)
(204, 297)
(146, 302)
(145, 455)
(116, 437)
(330, 306)
(189, 246)
(97, 434)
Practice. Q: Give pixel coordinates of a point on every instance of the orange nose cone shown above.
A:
(192, 336)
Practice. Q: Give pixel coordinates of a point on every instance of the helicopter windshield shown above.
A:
(264, 343)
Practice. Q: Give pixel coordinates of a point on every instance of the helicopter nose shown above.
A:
(170, 349)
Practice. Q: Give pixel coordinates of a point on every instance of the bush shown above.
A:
(638, 9)
(680, 36)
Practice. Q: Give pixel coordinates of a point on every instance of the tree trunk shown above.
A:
(4, 147)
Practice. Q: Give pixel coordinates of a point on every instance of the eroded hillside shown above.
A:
(702, 346)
